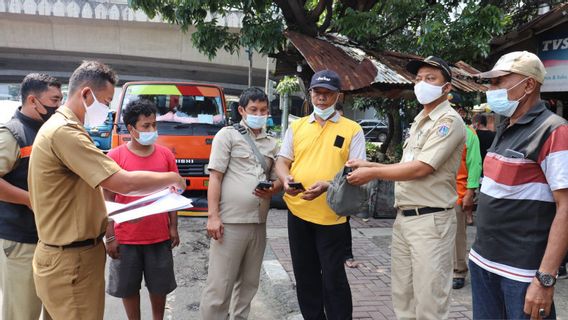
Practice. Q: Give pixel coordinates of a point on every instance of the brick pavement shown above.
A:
(370, 282)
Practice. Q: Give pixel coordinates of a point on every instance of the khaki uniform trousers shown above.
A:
(19, 298)
(422, 255)
(234, 272)
(71, 282)
(460, 253)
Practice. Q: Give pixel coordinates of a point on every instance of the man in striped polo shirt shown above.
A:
(522, 215)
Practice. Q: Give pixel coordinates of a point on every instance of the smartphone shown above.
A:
(296, 185)
(264, 185)
(347, 170)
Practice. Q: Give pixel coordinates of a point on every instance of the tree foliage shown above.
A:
(289, 85)
(453, 29)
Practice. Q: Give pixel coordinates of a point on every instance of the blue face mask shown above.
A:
(499, 102)
(255, 122)
(146, 138)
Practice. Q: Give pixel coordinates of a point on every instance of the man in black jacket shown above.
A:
(41, 96)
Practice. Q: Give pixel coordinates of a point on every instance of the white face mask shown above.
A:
(426, 93)
(327, 112)
(96, 113)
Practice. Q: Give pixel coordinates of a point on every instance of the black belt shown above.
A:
(78, 244)
(421, 211)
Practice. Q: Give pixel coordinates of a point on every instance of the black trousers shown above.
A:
(318, 254)
(348, 240)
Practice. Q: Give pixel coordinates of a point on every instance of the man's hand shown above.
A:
(360, 176)
(538, 297)
(467, 205)
(112, 249)
(291, 191)
(264, 193)
(315, 190)
(179, 186)
(174, 236)
(358, 163)
(215, 228)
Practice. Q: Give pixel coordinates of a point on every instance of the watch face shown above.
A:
(546, 280)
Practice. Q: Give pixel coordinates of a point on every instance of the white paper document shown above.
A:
(163, 201)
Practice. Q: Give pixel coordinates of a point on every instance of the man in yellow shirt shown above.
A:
(314, 149)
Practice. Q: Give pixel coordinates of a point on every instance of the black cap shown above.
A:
(455, 98)
(326, 79)
(414, 65)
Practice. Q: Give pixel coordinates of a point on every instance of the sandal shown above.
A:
(351, 263)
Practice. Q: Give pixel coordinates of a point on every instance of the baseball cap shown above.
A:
(414, 65)
(455, 98)
(326, 79)
(521, 62)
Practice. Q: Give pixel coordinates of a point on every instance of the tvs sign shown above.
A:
(553, 51)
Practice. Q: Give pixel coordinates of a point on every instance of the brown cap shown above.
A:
(520, 62)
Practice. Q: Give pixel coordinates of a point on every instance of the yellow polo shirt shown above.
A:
(319, 153)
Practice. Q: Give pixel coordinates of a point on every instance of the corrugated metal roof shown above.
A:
(360, 68)
(321, 55)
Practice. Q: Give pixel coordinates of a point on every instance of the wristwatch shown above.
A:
(547, 280)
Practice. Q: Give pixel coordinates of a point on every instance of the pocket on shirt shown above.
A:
(237, 153)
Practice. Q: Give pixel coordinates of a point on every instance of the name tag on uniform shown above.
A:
(339, 141)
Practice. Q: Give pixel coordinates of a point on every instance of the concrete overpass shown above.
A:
(54, 36)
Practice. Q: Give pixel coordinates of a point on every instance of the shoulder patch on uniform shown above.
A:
(71, 122)
(443, 127)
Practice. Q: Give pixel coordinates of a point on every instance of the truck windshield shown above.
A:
(180, 104)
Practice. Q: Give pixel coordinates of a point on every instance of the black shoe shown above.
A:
(458, 283)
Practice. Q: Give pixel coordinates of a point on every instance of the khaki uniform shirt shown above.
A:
(9, 152)
(436, 139)
(64, 176)
(233, 156)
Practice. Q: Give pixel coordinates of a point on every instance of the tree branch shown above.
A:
(360, 5)
(318, 10)
(329, 15)
(295, 15)
(419, 14)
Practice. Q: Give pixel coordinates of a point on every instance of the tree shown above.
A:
(454, 29)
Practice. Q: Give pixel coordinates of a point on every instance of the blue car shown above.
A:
(102, 134)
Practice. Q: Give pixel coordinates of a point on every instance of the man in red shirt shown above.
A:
(143, 246)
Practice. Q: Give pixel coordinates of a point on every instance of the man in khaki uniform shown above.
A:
(65, 177)
(425, 194)
(238, 210)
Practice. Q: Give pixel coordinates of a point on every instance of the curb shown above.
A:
(276, 283)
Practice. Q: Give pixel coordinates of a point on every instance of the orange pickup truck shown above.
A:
(189, 116)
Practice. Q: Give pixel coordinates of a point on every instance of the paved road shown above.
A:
(370, 283)
(190, 263)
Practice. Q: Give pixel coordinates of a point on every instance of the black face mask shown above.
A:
(48, 114)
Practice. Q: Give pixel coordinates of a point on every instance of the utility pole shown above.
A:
(267, 75)
(249, 51)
